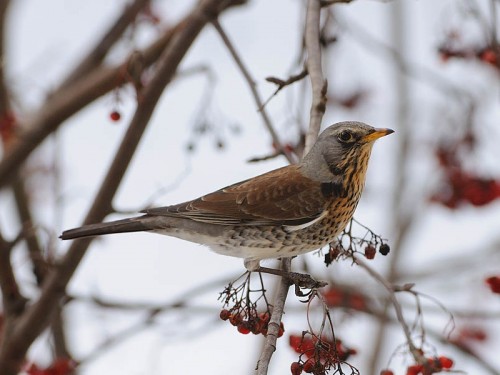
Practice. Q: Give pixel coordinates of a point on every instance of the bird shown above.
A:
(286, 212)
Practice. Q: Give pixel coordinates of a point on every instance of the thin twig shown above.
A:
(251, 84)
(97, 54)
(282, 84)
(397, 308)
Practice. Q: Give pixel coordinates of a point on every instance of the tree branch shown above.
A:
(314, 68)
(37, 317)
(251, 84)
(103, 46)
(313, 65)
(64, 103)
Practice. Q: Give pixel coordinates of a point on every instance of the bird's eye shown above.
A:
(345, 136)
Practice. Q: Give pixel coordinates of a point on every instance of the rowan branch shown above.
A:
(37, 317)
(97, 54)
(64, 103)
(416, 352)
(314, 68)
(313, 65)
(251, 84)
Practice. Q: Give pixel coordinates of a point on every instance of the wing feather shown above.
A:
(280, 197)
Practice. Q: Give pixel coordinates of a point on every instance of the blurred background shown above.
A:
(147, 304)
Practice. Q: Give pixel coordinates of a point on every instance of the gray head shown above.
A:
(341, 147)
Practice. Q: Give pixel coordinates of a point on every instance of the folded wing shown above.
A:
(280, 197)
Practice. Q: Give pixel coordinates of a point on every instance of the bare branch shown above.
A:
(37, 317)
(12, 299)
(103, 46)
(417, 354)
(64, 103)
(275, 321)
(314, 68)
(4, 95)
(313, 64)
(251, 84)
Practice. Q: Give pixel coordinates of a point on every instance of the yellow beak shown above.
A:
(376, 134)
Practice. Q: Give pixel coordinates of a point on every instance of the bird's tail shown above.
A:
(136, 224)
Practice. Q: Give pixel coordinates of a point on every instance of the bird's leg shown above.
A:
(300, 280)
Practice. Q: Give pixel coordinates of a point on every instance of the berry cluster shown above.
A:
(433, 366)
(318, 354)
(249, 320)
(494, 283)
(243, 312)
(486, 54)
(367, 245)
(346, 298)
(460, 186)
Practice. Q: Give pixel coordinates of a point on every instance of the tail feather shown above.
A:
(136, 224)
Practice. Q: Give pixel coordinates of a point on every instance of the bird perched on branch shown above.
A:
(286, 212)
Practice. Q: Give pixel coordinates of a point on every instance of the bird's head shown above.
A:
(341, 147)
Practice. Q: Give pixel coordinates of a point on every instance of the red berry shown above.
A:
(115, 116)
(445, 362)
(489, 56)
(296, 368)
(224, 314)
(494, 284)
(281, 330)
(386, 372)
(235, 319)
(309, 365)
(242, 328)
(370, 252)
(414, 369)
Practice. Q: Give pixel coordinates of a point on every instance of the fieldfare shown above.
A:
(286, 212)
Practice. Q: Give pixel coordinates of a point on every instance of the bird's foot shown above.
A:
(300, 280)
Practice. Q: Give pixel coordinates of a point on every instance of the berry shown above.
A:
(281, 330)
(115, 116)
(494, 284)
(370, 252)
(242, 328)
(445, 362)
(235, 319)
(384, 249)
(414, 370)
(488, 56)
(386, 372)
(296, 368)
(225, 314)
(309, 365)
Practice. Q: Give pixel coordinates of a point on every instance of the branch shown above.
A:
(69, 100)
(251, 84)
(103, 46)
(4, 94)
(314, 69)
(12, 299)
(275, 321)
(313, 65)
(37, 317)
(417, 354)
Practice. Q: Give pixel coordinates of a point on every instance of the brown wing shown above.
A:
(280, 197)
